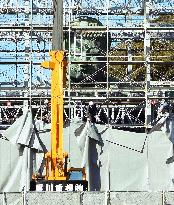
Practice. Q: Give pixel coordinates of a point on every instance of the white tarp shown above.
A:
(115, 160)
(128, 161)
(16, 154)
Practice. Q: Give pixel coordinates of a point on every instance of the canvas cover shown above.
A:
(115, 160)
(17, 148)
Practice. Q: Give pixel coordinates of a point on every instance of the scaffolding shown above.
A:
(119, 54)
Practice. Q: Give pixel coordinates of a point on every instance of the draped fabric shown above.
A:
(17, 148)
(114, 159)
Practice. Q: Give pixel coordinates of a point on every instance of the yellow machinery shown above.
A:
(58, 176)
(56, 160)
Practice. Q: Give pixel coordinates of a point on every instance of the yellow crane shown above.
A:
(56, 161)
(58, 174)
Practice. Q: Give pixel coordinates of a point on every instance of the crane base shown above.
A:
(59, 185)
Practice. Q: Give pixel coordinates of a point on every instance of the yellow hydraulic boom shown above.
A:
(56, 160)
(58, 176)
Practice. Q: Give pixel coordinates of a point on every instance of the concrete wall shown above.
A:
(88, 198)
(11, 198)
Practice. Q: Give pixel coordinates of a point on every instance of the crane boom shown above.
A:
(56, 161)
(58, 175)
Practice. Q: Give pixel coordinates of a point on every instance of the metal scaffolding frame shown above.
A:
(115, 27)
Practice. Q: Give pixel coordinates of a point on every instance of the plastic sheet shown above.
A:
(115, 160)
(17, 150)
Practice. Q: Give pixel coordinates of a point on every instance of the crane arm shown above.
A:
(56, 161)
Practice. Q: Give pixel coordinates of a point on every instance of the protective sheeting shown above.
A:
(115, 160)
(22, 132)
(125, 161)
(87, 139)
(9, 156)
(168, 128)
(160, 123)
(16, 152)
(118, 161)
